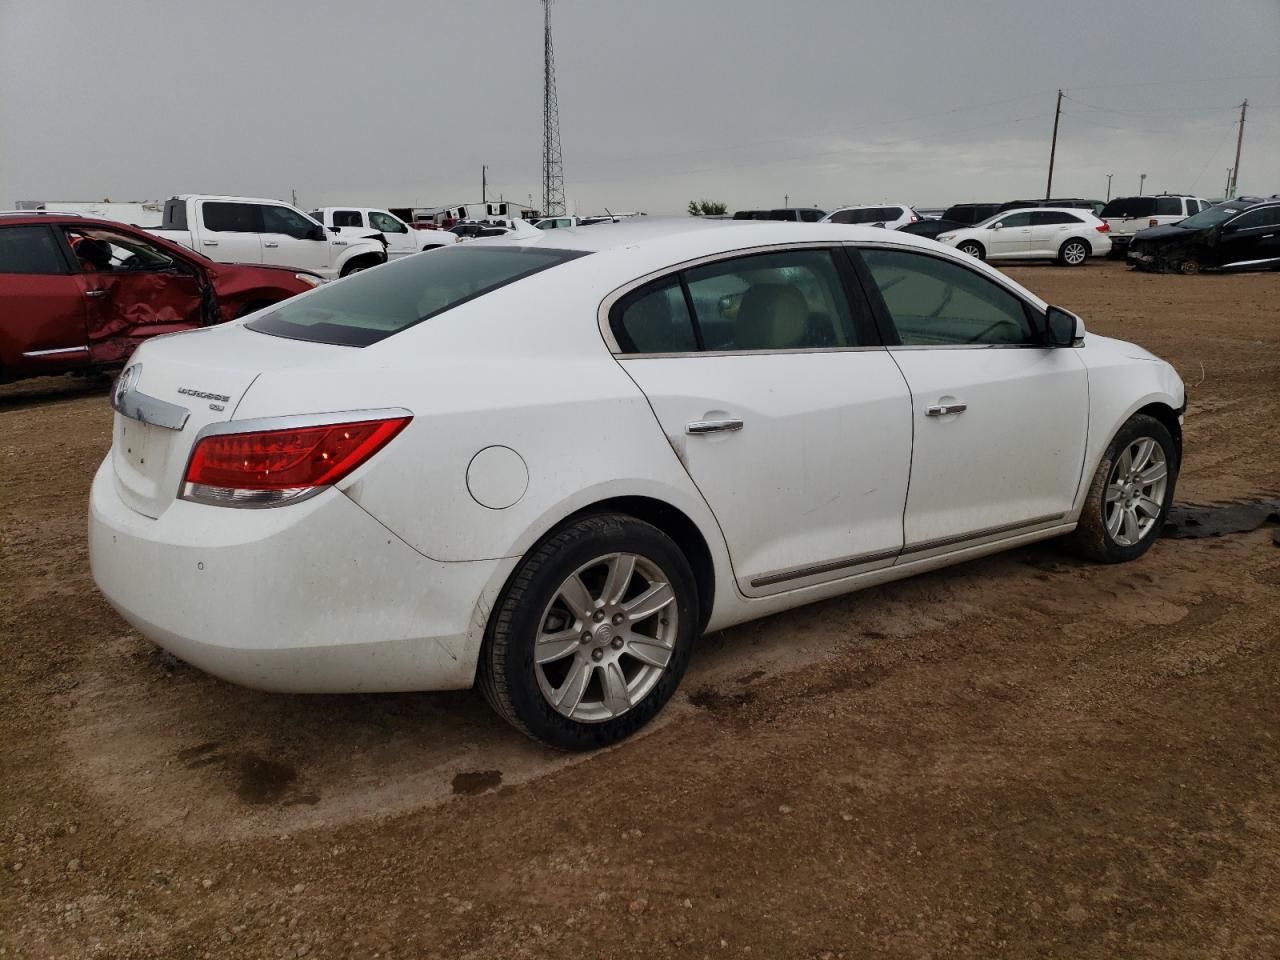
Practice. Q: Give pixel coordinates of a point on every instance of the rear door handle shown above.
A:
(697, 427)
(270, 243)
(942, 409)
(210, 243)
(95, 293)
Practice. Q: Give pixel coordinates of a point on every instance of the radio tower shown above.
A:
(552, 162)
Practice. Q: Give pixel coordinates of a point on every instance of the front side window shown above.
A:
(105, 251)
(347, 218)
(385, 222)
(29, 250)
(934, 302)
(1261, 217)
(655, 319)
(286, 221)
(376, 304)
(1022, 219)
(231, 217)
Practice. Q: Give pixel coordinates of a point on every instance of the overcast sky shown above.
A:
(399, 102)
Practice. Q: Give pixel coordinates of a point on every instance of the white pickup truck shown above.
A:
(250, 230)
(401, 239)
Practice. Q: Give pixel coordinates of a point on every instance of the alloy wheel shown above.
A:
(1074, 254)
(606, 637)
(1135, 491)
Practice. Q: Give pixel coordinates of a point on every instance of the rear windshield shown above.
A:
(376, 304)
(1124, 207)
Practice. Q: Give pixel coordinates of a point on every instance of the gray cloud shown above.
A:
(746, 101)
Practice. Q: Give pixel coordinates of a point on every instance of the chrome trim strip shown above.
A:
(865, 559)
(55, 352)
(830, 566)
(1237, 263)
(982, 534)
(145, 409)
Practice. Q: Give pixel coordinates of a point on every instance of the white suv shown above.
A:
(889, 215)
(1068, 235)
(1127, 215)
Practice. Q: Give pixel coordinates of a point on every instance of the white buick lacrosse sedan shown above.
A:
(545, 465)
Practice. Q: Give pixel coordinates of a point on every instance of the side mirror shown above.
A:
(335, 229)
(1062, 329)
(997, 226)
(315, 233)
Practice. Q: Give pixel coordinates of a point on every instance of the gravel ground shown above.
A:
(1022, 756)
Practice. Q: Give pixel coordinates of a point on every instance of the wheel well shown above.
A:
(1169, 417)
(679, 528)
(363, 258)
(982, 250)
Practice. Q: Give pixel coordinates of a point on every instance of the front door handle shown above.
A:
(697, 427)
(270, 243)
(942, 409)
(210, 243)
(95, 293)
(339, 243)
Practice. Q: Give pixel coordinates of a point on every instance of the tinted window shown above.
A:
(1193, 206)
(286, 221)
(1022, 219)
(1261, 217)
(347, 218)
(934, 302)
(1044, 218)
(776, 301)
(811, 216)
(29, 250)
(782, 215)
(1122, 208)
(385, 222)
(175, 215)
(1168, 206)
(655, 319)
(859, 215)
(231, 217)
(373, 305)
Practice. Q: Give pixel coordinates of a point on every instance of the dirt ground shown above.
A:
(1026, 756)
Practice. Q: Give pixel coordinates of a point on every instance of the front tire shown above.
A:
(1130, 495)
(592, 634)
(972, 248)
(1073, 253)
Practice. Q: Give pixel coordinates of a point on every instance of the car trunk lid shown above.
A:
(175, 387)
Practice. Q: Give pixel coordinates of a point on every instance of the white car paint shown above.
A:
(402, 239)
(273, 233)
(838, 480)
(1017, 234)
(1163, 209)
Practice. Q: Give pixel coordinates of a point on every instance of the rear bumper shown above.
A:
(316, 597)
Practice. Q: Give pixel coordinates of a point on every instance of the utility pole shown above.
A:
(1109, 176)
(1235, 171)
(484, 184)
(295, 197)
(1142, 179)
(786, 199)
(1053, 147)
(1226, 191)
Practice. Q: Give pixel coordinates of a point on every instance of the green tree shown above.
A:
(702, 208)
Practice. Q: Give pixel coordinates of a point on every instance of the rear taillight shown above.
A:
(1103, 227)
(267, 468)
(1153, 222)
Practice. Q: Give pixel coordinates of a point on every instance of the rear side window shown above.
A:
(376, 304)
(1126, 207)
(29, 250)
(175, 215)
(231, 217)
(791, 300)
(934, 303)
(811, 216)
(1047, 217)
(347, 218)
(858, 215)
(655, 319)
(1168, 206)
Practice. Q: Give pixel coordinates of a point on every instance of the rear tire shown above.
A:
(604, 610)
(1129, 497)
(972, 248)
(1073, 253)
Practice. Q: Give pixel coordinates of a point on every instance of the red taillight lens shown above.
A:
(292, 459)
(1153, 222)
(1103, 227)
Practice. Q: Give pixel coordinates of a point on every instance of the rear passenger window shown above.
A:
(29, 250)
(347, 218)
(934, 302)
(1046, 218)
(231, 217)
(791, 300)
(655, 319)
(1168, 207)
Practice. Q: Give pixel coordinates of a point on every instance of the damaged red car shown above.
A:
(78, 293)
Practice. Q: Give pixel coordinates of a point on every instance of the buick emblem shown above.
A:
(125, 383)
